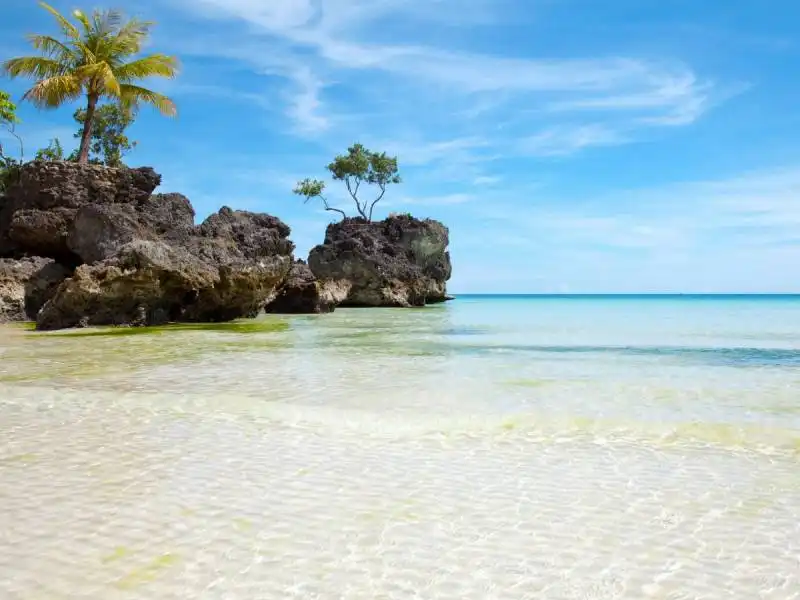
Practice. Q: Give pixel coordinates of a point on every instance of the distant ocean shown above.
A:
(496, 446)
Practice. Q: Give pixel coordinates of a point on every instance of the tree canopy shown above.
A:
(359, 167)
(9, 167)
(9, 119)
(8, 110)
(95, 57)
(109, 143)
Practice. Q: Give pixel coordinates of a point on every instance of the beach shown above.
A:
(491, 447)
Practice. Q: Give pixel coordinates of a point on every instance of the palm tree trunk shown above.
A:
(86, 137)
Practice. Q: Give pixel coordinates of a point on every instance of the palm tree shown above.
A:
(95, 58)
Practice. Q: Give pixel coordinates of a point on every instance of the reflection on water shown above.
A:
(476, 450)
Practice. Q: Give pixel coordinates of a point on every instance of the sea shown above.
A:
(493, 447)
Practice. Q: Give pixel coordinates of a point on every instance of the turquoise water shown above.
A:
(493, 447)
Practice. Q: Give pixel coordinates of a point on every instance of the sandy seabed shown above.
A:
(174, 482)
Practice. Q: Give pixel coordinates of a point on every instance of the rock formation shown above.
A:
(92, 245)
(26, 285)
(301, 293)
(401, 261)
(37, 211)
(140, 258)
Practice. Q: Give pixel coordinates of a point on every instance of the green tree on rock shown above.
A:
(358, 169)
(96, 57)
(109, 142)
(53, 151)
(9, 167)
(9, 120)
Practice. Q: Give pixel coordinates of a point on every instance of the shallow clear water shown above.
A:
(490, 448)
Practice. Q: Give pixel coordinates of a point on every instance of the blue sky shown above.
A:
(570, 145)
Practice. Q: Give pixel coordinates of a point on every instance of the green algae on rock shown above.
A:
(238, 327)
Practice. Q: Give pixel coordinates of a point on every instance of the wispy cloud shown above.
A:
(305, 105)
(438, 200)
(732, 213)
(604, 100)
(564, 140)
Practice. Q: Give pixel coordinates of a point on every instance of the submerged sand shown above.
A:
(303, 458)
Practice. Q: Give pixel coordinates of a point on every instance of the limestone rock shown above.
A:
(152, 281)
(37, 212)
(303, 294)
(26, 284)
(63, 184)
(401, 261)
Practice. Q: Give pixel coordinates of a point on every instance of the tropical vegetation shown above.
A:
(359, 167)
(96, 57)
(8, 120)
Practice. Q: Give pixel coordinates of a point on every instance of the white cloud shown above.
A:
(564, 140)
(754, 209)
(305, 105)
(307, 41)
(438, 200)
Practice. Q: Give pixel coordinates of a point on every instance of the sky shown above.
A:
(571, 146)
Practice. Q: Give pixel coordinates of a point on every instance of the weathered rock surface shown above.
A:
(303, 294)
(37, 212)
(401, 261)
(114, 253)
(138, 258)
(200, 275)
(26, 284)
(63, 184)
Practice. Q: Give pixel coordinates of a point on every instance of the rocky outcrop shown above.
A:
(38, 210)
(98, 231)
(139, 257)
(301, 293)
(207, 274)
(107, 251)
(26, 285)
(401, 261)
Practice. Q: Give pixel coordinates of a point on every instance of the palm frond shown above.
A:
(99, 78)
(68, 28)
(39, 67)
(106, 22)
(81, 17)
(109, 79)
(130, 36)
(133, 95)
(154, 65)
(51, 47)
(54, 91)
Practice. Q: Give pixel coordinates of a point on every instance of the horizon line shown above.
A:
(552, 294)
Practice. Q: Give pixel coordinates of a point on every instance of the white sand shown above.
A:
(245, 475)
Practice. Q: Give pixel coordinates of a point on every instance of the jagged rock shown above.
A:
(140, 258)
(26, 284)
(38, 210)
(98, 231)
(148, 282)
(303, 294)
(255, 235)
(42, 232)
(169, 215)
(64, 184)
(401, 261)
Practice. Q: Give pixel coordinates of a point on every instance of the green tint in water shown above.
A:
(25, 325)
(147, 573)
(242, 326)
(88, 353)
